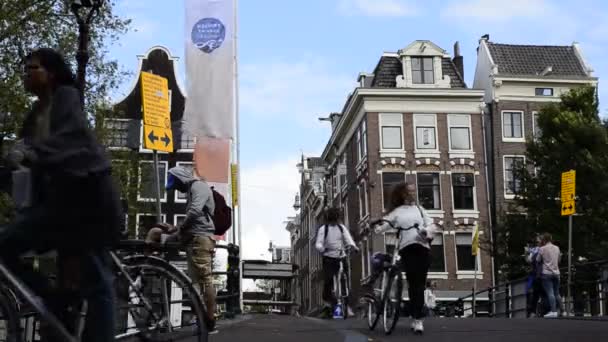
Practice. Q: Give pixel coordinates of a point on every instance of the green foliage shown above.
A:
(572, 137)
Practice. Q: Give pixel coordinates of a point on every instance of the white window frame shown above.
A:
(422, 58)
(467, 274)
(432, 211)
(162, 181)
(382, 182)
(504, 173)
(363, 209)
(163, 217)
(465, 212)
(175, 217)
(444, 274)
(117, 148)
(534, 125)
(426, 153)
(175, 198)
(380, 125)
(502, 126)
(186, 150)
(460, 153)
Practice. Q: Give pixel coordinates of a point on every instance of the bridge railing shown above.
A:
(510, 299)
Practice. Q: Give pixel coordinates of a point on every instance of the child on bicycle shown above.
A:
(333, 238)
(414, 245)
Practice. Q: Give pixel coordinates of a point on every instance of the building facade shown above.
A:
(518, 80)
(413, 119)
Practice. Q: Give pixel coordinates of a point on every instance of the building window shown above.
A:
(391, 131)
(544, 91)
(512, 125)
(178, 219)
(422, 70)
(463, 185)
(342, 173)
(425, 125)
(187, 142)
(429, 194)
(389, 180)
(117, 133)
(438, 254)
(147, 185)
(460, 132)
(363, 210)
(512, 180)
(362, 141)
(535, 129)
(181, 197)
(464, 250)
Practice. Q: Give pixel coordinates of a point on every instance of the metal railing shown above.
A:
(511, 299)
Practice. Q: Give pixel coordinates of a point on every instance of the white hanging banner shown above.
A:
(210, 68)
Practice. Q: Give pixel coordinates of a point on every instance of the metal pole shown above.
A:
(569, 300)
(475, 289)
(238, 151)
(157, 187)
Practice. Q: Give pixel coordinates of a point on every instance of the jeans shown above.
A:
(331, 267)
(415, 261)
(551, 287)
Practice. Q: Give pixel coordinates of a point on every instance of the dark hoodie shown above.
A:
(197, 222)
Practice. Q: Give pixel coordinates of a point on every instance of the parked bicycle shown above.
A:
(386, 299)
(149, 290)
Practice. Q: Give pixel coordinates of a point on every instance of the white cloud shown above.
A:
(496, 10)
(268, 191)
(302, 89)
(378, 8)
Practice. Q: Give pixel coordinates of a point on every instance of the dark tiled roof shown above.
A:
(315, 162)
(531, 60)
(389, 68)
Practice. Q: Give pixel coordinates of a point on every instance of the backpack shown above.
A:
(326, 230)
(222, 215)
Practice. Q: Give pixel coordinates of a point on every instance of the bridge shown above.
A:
(280, 328)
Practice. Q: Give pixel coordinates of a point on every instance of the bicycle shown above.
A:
(387, 299)
(148, 286)
(342, 286)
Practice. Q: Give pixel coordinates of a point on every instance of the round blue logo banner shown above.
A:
(208, 34)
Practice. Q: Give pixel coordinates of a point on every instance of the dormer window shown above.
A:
(422, 70)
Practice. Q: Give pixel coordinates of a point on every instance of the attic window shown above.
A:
(422, 70)
(544, 91)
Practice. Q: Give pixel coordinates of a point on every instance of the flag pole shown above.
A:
(238, 152)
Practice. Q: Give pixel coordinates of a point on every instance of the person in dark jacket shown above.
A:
(74, 208)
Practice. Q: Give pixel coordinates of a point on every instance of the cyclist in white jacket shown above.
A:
(414, 245)
(333, 239)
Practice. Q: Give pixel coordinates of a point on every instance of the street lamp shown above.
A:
(82, 55)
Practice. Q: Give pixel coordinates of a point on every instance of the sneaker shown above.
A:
(211, 327)
(418, 327)
(552, 314)
(413, 324)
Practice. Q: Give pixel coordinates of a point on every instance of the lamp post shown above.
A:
(84, 18)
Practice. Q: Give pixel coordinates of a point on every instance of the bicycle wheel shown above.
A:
(9, 318)
(392, 301)
(157, 302)
(344, 293)
(375, 306)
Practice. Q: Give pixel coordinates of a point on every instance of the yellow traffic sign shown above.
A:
(155, 100)
(568, 208)
(568, 192)
(158, 138)
(234, 181)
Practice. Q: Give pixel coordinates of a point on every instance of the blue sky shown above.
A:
(298, 60)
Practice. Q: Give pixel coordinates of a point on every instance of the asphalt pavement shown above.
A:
(271, 328)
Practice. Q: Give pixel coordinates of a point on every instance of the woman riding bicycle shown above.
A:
(414, 246)
(74, 207)
(333, 238)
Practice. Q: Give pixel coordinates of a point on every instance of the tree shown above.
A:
(572, 137)
(29, 24)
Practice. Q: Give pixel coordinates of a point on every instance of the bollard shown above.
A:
(232, 304)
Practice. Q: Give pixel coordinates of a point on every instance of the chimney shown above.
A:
(334, 118)
(458, 59)
(485, 37)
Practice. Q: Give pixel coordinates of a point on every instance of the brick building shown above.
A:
(413, 119)
(518, 80)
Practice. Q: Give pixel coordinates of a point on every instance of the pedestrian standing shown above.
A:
(549, 257)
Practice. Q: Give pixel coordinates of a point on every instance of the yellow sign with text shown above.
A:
(155, 100)
(157, 138)
(568, 193)
(234, 180)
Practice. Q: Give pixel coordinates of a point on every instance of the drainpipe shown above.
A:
(485, 153)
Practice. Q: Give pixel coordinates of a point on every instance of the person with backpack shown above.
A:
(207, 216)
(414, 245)
(333, 239)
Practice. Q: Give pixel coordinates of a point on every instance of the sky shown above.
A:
(298, 60)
